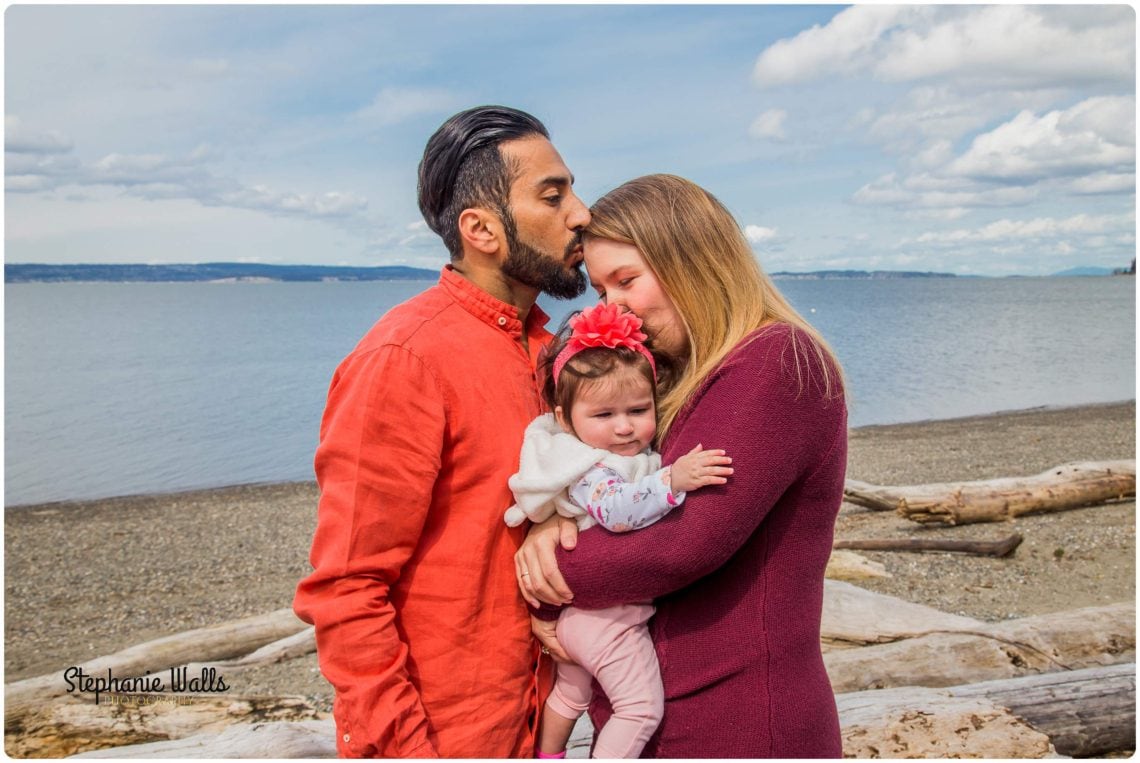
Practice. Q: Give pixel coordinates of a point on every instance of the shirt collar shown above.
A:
(486, 308)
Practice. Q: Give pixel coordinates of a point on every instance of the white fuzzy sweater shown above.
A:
(551, 461)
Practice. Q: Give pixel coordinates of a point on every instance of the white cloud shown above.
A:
(157, 176)
(258, 197)
(1011, 44)
(19, 139)
(848, 40)
(758, 234)
(1007, 230)
(396, 104)
(1086, 149)
(1105, 182)
(929, 191)
(931, 114)
(770, 124)
(1095, 135)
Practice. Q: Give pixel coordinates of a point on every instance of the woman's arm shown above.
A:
(753, 408)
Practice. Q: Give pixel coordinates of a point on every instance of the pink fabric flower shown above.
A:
(603, 326)
(606, 326)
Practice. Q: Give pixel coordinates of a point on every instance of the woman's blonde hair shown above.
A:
(698, 253)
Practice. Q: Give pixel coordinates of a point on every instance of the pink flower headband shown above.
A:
(603, 326)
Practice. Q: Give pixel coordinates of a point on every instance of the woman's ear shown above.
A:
(479, 229)
(563, 421)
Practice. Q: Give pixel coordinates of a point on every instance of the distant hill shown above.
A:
(825, 275)
(241, 271)
(210, 271)
(1085, 271)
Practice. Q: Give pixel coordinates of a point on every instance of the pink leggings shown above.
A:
(612, 645)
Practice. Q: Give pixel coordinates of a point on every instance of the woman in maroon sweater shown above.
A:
(736, 573)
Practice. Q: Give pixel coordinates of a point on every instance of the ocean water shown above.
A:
(116, 389)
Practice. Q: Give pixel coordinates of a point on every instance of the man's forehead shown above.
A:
(537, 162)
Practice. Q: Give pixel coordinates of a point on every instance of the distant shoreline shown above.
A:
(209, 272)
(238, 272)
(68, 503)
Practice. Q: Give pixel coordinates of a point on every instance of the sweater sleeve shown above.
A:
(767, 410)
(377, 463)
(621, 506)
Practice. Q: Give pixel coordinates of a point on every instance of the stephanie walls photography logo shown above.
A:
(146, 689)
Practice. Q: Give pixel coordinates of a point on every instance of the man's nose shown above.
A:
(579, 216)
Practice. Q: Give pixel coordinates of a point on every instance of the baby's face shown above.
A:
(616, 415)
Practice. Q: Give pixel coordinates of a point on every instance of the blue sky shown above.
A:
(970, 139)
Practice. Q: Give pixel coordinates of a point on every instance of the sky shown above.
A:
(970, 139)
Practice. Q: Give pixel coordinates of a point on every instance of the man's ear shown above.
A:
(480, 230)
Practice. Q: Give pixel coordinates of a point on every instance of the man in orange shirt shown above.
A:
(420, 626)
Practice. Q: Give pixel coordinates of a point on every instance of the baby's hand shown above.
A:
(698, 468)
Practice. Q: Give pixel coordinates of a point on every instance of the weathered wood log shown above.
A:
(285, 740)
(1079, 638)
(1084, 712)
(232, 639)
(299, 739)
(68, 725)
(1081, 712)
(847, 565)
(1068, 486)
(998, 548)
(854, 616)
(288, 648)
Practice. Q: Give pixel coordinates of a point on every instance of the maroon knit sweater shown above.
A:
(736, 572)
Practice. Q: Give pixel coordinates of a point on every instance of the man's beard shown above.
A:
(530, 266)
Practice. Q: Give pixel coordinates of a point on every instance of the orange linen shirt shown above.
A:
(420, 625)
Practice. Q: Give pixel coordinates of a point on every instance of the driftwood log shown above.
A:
(42, 723)
(847, 565)
(1079, 638)
(1067, 486)
(42, 719)
(999, 548)
(69, 725)
(299, 739)
(216, 642)
(1078, 713)
(298, 645)
(1081, 713)
(854, 617)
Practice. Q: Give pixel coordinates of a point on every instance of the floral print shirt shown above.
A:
(621, 506)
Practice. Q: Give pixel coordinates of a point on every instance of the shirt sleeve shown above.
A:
(377, 462)
(775, 424)
(621, 506)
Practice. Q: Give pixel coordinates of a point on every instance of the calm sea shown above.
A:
(115, 389)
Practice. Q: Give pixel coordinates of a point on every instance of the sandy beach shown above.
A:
(83, 579)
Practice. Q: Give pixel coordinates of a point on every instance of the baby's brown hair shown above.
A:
(586, 367)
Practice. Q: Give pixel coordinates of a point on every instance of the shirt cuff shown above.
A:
(546, 612)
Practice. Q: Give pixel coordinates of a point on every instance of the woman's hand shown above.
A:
(536, 568)
(544, 631)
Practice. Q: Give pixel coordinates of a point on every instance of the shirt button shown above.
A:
(502, 320)
(346, 737)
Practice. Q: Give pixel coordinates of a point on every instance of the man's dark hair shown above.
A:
(462, 167)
